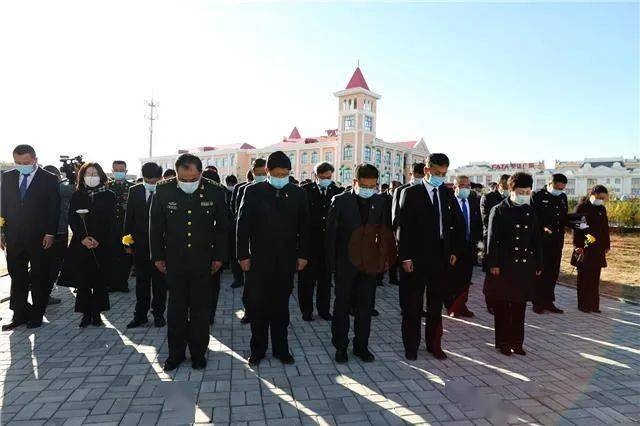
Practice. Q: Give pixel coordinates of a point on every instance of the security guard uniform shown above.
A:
(120, 260)
(551, 211)
(188, 232)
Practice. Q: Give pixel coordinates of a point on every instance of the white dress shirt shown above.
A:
(430, 189)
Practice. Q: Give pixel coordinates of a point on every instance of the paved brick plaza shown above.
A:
(580, 369)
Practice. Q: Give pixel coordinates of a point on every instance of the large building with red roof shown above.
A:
(353, 142)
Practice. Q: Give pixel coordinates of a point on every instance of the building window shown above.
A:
(367, 105)
(571, 182)
(387, 157)
(349, 122)
(328, 156)
(367, 154)
(398, 160)
(368, 123)
(292, 158)
(347, 153)
(305, 158)
(303, 176)
(570, 191)
(232, 159)
(591, 182)
(347, 176)
(617, 181)
(314, 157)
(378, 156)
(635, 181)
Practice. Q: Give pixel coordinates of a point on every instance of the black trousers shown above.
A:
(393, 273)
(92, 296)
(151, 289)
(546, 283)
(268, 298)
(188, 312)
(588, 283)
(412, 291)
(238, 275)
(215, 292)
(509, 323)
(460, 277)
(120, 262)
(352, 291)
(245, 294)
(54, 259)
(315, 275)
(24, 279)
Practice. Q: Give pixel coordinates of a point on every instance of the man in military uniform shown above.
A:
(188, 235)
(487, 202)
(272, 244)
(121, 261)
(319, 195)
(551, 207)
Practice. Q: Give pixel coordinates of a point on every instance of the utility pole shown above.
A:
(152, 116)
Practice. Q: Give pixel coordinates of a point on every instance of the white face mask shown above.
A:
(596, 201)
(188, 187)
(91, 181)
(520, 199)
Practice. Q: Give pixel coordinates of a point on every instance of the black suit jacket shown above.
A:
(395, 205)
(459, 227)
(136, 220)
(487, 202)
(29, 220)
(318, 210)
(236, 197)
(418, 230)
(352, 246)
(273, 225)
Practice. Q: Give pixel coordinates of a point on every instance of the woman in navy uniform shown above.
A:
(91, 215)
(594, 254)
(514, 259)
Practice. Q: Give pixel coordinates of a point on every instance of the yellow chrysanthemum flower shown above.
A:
(590, 238)
(2, 221)
(127, 240)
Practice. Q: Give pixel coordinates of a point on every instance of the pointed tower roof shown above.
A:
(295, 134)
(357, 80)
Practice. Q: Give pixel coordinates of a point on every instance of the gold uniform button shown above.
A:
(524, 260)
(517, 248)
(189, 211)
(188, 234)
(188, 245)
(189, 223)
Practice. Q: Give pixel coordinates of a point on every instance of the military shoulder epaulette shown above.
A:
(165, 181)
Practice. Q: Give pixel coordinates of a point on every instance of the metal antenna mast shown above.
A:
(152, 116)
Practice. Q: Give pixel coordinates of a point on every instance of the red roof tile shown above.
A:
(295, 134)
(406, 144)
(357, 80)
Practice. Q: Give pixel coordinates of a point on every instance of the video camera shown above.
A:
(70, 167)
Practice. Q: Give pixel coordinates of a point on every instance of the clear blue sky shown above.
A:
(495, 82)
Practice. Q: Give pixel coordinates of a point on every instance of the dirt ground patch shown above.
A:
(621, 278)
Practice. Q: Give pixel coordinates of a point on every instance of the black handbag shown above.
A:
(577, 258)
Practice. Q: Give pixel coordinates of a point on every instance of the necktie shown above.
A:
(436, 210)
(23, 185)
(323, 191)
(465, 213)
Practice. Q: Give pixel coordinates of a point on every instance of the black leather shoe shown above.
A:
(490, 310)
(159, 321)
(374, 313)
(364, 355)
(538, 309)
(199, 363)
(53, 301)
(236, 284)
(172, 364)
(13, 324)
(341, 356)
(518, 350)
(287, 359)
(438, 354)
(86, 321)
(465, 312)
(554, 309)
(245, 319)
(35, 323)
(596, 311)
(307, 317)
(411, 356)
(137, 322)
(326, 317)
(255, 360)
(504, 350)
(96, 320)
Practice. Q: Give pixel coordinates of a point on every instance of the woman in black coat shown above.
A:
(514, 259)
(91, 213)
(593, 254)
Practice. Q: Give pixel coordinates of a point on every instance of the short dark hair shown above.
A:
(258, 163)
(278, 159)
(24, 149)
(384, 186)
(366, 171)
(83, 171)
(293, 180)
(438, 159)
(211, 175)
(324, 167)
(558, 178)
(169, 173)
(231, 180)
(186, 160)
(599, 189)
(520, 180)
(119, 162)
(151, 170)
(52, 169)
(249, 175)
(418, 168)
(504, 177)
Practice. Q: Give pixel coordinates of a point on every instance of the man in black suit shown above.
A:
(467, 233)
(424, 246)
(149, 280)
(360, 246)
(30, 211)
(257, 174)
(272, 244)
(319, 195)
(487, 202)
